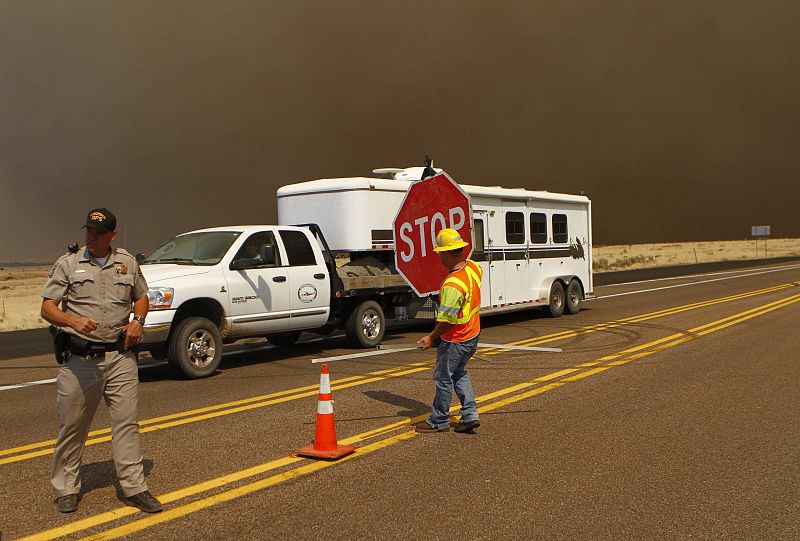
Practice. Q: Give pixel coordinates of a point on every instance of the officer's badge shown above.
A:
(122, 269)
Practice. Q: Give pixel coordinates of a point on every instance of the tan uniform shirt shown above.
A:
(104, 294)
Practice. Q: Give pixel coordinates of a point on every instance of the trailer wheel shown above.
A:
(283, 339)
(365, 325)
(573, 297)
(195, 349)
(556, 304)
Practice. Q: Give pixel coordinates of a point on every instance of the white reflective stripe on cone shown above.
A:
(325, 407)
(324, 383)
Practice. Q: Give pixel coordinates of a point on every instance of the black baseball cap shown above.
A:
(101, 219)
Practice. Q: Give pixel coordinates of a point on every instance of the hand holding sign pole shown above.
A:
(430, 205)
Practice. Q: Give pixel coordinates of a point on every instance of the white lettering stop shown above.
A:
(456, 220)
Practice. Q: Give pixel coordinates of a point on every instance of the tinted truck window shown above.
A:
(298, 249)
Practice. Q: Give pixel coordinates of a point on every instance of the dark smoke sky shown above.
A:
(680, 119)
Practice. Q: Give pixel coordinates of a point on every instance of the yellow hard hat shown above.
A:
(449, 239)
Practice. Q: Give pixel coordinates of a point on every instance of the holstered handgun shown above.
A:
(60, 344)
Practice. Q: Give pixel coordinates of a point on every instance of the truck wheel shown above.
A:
(283, 339)
(556, 305)
(195, 348)
(573, 297)
(365, 325)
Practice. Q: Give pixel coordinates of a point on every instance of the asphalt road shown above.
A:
(671, 413)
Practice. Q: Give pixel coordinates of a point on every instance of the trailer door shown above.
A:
(516, 254)
(495, 239)
(480, 256)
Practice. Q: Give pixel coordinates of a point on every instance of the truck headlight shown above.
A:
(160, 297)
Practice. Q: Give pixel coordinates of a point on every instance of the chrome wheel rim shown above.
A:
(371, 324)
(201, 348)
(574, 298)
(556, 301)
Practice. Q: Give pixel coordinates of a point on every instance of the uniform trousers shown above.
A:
(82, 381)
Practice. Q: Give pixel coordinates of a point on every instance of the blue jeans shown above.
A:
(450, 373)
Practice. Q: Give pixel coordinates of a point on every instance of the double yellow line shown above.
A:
(43, 448)
(644, 317)
(490, 402)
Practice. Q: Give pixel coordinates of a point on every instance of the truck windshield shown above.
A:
(194, 249)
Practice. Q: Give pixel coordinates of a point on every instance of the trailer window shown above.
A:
(560, 233)
(538, 228)
(515, 228)
(477, 232)
(298, 249)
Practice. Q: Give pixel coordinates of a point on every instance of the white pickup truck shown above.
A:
(218, 285)
(214, 286)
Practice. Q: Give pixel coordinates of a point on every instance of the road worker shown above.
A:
(458, 326)
(89, 294)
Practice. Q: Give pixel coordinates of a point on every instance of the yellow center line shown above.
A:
(637, 319)
(247, 404)
(215, 407)
(216, 499)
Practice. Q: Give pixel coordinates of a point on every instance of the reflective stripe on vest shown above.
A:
(474, 279)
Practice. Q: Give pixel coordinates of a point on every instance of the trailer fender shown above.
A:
(547, 284)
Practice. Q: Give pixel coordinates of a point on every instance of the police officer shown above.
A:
(89, 294)
(458, 325)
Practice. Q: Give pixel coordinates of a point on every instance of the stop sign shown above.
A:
(430, 205)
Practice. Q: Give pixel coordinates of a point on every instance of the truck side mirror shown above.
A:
(140, 258)
(267, 253)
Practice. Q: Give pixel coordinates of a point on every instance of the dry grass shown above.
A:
(20, 287)
(19, 297)
(640, 256)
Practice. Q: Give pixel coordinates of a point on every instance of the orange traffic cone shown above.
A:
(325, 444)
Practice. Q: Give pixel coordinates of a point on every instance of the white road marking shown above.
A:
(794, 266)
(600, 297)
(762, 270)
(27, 384)
(53, 380)
(149, 365)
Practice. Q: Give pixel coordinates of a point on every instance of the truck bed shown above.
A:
(368, 273)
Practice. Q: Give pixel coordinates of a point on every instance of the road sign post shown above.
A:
(758, 231)
(429, 206)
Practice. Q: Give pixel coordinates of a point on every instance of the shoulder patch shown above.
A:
(65, 259)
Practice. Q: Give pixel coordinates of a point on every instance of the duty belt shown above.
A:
(85, 348)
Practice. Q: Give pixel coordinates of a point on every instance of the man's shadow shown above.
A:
(99, 475)
(411, 407)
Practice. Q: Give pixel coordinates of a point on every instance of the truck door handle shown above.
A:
(319, 276)
(278, 278)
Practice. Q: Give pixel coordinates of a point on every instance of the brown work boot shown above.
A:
(424, 427)
(466, 428)
(144, 501)
(68, 503)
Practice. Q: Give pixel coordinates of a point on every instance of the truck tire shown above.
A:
(556, 303)
(195, 349)
(365, 325)
(283, 339)
(573, 297)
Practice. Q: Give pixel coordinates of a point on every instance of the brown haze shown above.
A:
(679, 119)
